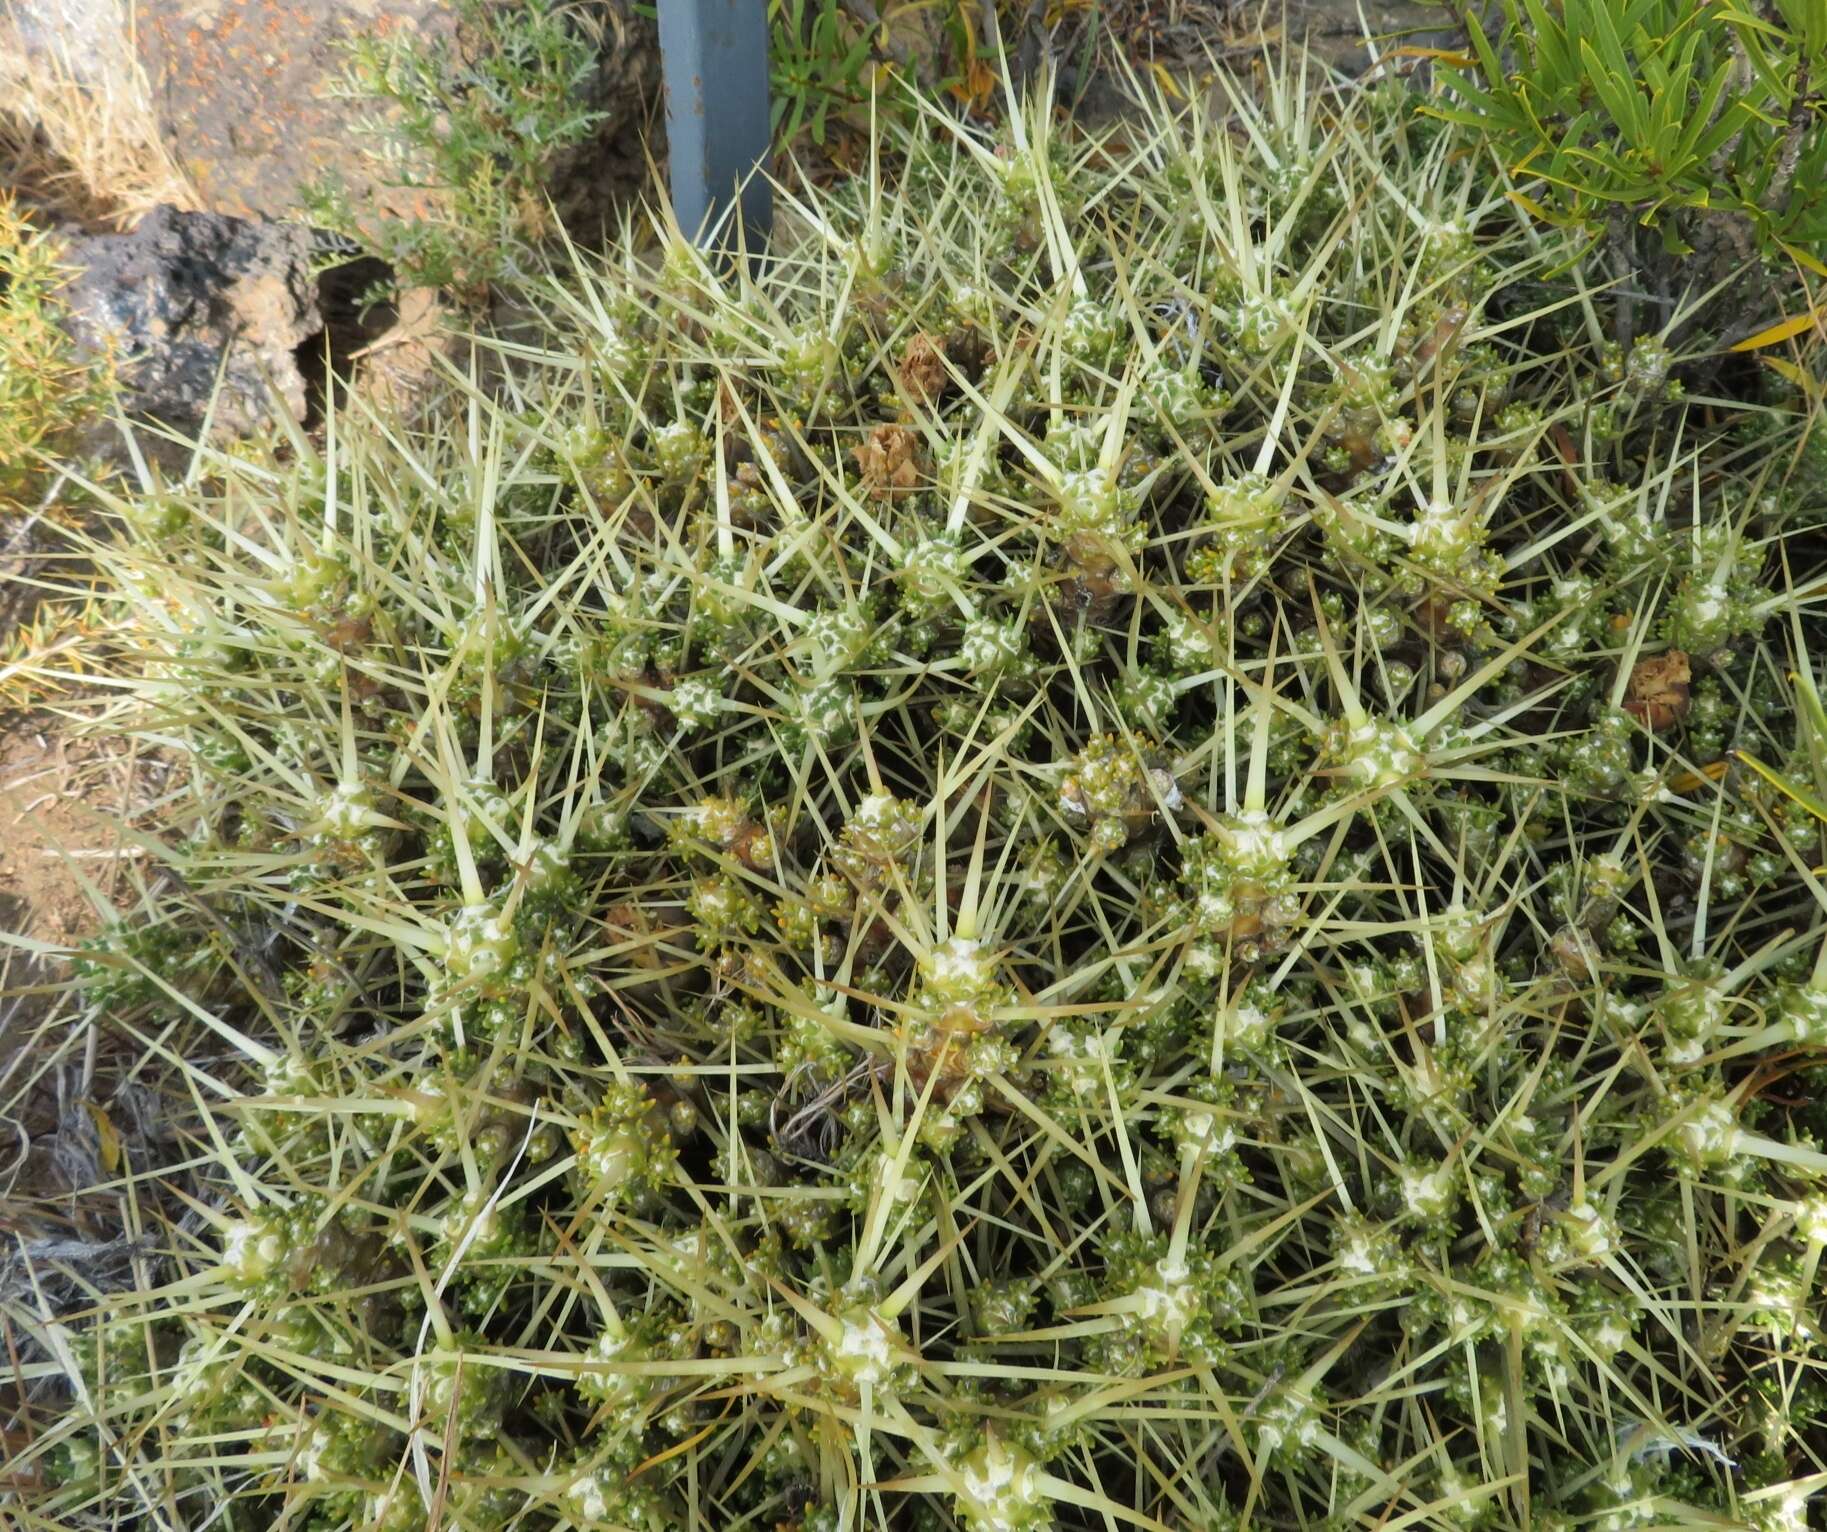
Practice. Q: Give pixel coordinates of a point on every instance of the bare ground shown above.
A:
(60, 844)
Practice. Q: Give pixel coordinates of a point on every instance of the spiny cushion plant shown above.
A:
(1075, 857)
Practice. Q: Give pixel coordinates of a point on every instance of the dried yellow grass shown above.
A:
(79, 131)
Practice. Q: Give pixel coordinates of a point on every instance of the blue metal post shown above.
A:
(715, 57)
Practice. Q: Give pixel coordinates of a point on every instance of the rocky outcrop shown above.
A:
(241, 95)
(245, 91)
(71, 88)
(188, 297)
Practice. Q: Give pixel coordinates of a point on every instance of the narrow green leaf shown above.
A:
(1487, 55)
(1702, 114)
(1618, 94)
(1609, 46)
(1802, 799)
(1553, 60)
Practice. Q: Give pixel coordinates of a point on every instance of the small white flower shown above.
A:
(1427, 1194)
(590, 1495)
(1811, 1218)
(695, 702)
(346, 810)
(865, 1347)
(250, 1250)
(1711, 1134)
(999, 1490)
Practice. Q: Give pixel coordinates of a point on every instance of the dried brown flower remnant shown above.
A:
(922, 369)
(1087, 594)
(650, 953)
(728, 825)
(1657, 696)
(1433, 615)
(887, 461)
(1573, 952)
(748, 496)
(347, 635)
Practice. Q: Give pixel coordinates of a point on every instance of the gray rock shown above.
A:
(69, 79)
(80, 38)
(1348, 33)
(184, 291)
(239, 95)
(244, 92)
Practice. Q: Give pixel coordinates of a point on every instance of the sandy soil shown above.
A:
(57, 802)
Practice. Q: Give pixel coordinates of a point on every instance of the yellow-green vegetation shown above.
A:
(46, 388)
(1075, 858)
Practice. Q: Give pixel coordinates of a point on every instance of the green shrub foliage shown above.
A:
(1699, 117)
(1078, 858)
(471, 126)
